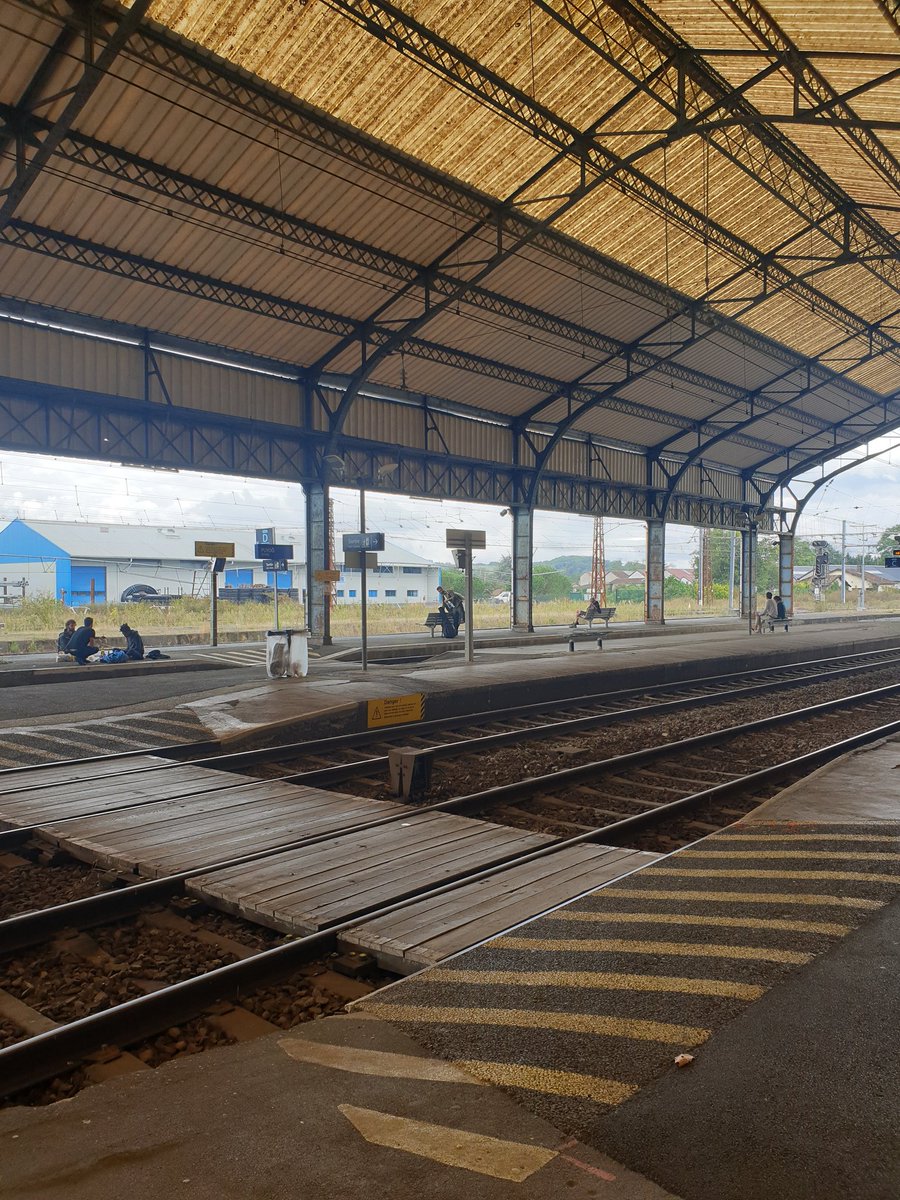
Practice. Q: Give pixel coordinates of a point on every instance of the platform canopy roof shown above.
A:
(671, 225)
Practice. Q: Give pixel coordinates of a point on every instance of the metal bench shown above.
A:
(605, 615)
(433, 621)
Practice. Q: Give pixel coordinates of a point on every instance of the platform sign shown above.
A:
(466, 539)
(265, 537)
(362, 541)
(326, 576)
(273, 551)
(214, 549)
(353, 560)
(396, 710)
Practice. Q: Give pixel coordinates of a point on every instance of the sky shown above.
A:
(48, 488)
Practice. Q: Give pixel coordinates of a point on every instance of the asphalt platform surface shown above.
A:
(798, 1099)
(577, 1012)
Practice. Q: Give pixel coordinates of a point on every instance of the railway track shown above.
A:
(674, 779)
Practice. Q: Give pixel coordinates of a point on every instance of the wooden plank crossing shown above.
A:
(300, 891)
(426, 932)
(97, 788)
(38, 777)
(183, 834)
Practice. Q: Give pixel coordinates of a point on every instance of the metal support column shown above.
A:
(786, 571)
(318, 612)
(654, 604)
(522, 555)
(748, 571)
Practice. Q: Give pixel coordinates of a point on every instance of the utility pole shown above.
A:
(843, 562)
(731, 558)
(364, 595)
(598, 563)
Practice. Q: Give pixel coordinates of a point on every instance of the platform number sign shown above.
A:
(265, 537)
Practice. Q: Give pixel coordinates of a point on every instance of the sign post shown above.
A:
(360, 544)
(218, 552)
(462, 542)
(273, 555)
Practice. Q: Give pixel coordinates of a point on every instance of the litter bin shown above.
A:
(287, 653)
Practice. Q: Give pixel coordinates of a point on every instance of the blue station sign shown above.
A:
(363, 541)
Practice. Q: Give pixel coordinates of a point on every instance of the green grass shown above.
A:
(36, 622)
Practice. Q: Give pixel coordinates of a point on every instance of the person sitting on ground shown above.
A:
(134, 643)
(62, 642)
(588, 614)
(781, 612)
(767, 616)
(452, 611)
(84, 643)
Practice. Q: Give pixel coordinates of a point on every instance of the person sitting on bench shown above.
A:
(767, 616)
(589, 614)
(452, 611)
(780, 612)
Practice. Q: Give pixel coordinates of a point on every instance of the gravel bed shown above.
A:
(192, 1037)
(32, 886)
(255, 937)
(293, 1002)
(9, 1032)
(129, 959)
(457, 777)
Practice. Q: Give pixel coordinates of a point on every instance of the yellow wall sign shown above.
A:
(214, 549)
(396, 710)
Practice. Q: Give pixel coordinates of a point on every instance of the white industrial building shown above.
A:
(87, 563)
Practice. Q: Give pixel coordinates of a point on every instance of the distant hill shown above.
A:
(572, 565)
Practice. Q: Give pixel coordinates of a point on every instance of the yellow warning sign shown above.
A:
(396, 710)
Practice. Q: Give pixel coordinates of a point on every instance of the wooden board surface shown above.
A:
(306, 889)
(430, 930)
(183, 834)
(66, 798)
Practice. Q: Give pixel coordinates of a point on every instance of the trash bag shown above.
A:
(113, 656)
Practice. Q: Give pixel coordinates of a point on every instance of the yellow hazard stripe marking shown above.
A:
(646, 1031)
(854, 876)
(556, 1083)
(624, 946)
(787, 836)
(861, 855)
(742, 897)
(827, 927)
(478, 1152)
(608, 980)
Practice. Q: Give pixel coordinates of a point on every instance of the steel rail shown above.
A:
(36, 1059)
(319, 776)
(26, 929)
(340, 741)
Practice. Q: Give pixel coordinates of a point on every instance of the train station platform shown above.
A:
(768, 952)
(336, 692)
(105, 713)
(542, 1063)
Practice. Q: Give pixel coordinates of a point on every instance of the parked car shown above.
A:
(501, 598)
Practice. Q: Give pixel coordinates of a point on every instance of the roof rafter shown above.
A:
(137, 268)
(165, 52)
(117, 163)
(397, 28)
(93, 68)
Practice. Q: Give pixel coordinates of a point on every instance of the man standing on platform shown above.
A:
(452, 611)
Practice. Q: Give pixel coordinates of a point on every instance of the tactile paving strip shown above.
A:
(576, 1011)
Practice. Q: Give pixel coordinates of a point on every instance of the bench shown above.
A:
(605, 615)
(433, 621)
